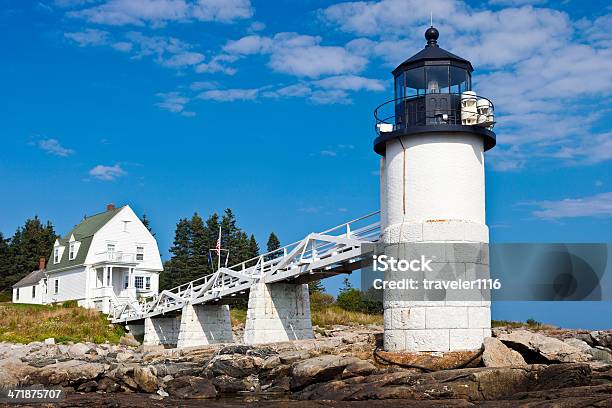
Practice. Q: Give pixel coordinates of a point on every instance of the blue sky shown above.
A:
(176, 106)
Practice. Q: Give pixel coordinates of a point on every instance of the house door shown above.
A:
(118, 280)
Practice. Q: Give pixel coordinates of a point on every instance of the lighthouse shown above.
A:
(432, 138)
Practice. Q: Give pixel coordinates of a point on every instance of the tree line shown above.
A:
(193, 239)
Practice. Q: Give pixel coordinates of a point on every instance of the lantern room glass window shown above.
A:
(432, 79)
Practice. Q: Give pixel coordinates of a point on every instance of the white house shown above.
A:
(107, 258)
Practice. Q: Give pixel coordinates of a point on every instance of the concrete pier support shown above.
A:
(278, 312)
(205, 324)
(161, 330)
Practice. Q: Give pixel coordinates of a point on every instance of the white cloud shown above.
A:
(328, 153)
(54, 147)
(107, 173)
(299, 55)
(229, 95)
(174, 102)
(599, 205)
(295, 90)
(334, 96)
(200, 85)
(350, 83)
(183, 59)
(159, 12)
(218, 64)
(257, 26)
(517, 2)
(88, 37)
(122, 46)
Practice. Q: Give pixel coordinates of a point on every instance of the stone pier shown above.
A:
(278, 312)
(205, 324)
(162, 330)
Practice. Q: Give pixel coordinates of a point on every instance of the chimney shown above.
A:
(110, 207)
(41, 263)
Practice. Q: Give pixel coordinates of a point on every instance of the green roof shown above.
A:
(83, 232)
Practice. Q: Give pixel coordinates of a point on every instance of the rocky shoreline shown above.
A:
(517, 367)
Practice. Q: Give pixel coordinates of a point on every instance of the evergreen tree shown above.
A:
(146, 223)
(177, 268)
(5, 261)
(29, 243)
(253, 247)
(199, 256)
(315, 287)
(273, 245)
(230, 237)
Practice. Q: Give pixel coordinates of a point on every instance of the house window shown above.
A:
(56, 288)
(126, 281)
(71, 253)
(56, 255)
(147, 282)
(17, 294)
(140, 253)
(33, 292)
(110, 247)
(139, 282)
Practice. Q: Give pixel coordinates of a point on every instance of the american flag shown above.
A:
(218, 246)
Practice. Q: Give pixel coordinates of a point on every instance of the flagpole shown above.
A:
(219, 250)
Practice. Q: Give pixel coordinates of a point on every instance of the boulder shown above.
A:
(108, 385)
(601, 354)
(271, 362)
(537, 348)
(358, 368)
(229, 385)
(124, 356)
(12, 372)
(578, 343)
(319, 369)
(191, 388)
(602, 338)
(128, 339)
(146, 379)
(236, 365)
(78, 350)
(50, 341)
(67, 372)
(496, 354)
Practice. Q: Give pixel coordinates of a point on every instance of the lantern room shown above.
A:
(433, 92)
(432, 70)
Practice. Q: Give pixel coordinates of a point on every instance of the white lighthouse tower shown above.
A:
(432, 141)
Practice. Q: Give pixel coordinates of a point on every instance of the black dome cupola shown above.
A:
(433, 92)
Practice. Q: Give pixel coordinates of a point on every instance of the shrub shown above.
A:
(69, 304)
(320, 300)
(350, 299)
(533, 322)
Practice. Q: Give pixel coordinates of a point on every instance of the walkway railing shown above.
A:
(336, 250)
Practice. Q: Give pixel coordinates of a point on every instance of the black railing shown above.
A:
(434, 109)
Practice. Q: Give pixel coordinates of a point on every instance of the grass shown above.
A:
(333, 314)
(530, 324)
(23, 323)
(238, 316)
(324, 316)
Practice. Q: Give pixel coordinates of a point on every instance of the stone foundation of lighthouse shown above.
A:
(433, 205)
